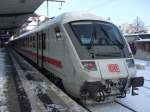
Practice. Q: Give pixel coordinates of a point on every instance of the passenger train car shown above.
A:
(85, 52)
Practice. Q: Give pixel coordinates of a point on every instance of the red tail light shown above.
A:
(89, 66)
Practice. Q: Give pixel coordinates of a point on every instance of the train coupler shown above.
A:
(136, 82)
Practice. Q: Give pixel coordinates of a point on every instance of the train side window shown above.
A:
(44, 41)
(26, 42)
(39, 42)
(23, 42)
(34, 42)
(58, 33)
(30, 42)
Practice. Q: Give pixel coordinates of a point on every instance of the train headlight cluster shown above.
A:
(89, 65)
(130, 63)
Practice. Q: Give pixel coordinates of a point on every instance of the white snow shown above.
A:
(140, 64)
(144, 72)
(3, 81)
(144, 40)
(141, 102)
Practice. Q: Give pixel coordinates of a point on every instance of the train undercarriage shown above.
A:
(110, 89)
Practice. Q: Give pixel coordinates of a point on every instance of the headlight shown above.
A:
(88, 65)
(130, 63)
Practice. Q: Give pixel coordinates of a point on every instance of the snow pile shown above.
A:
(144, 72)
(3, 89)
(141, 102)
(140, 64)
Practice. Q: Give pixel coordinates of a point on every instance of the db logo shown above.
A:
(113, 67)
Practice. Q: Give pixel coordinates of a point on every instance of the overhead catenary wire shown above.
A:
(98, 5)
(47, 5)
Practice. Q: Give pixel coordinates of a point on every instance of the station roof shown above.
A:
(13, 13)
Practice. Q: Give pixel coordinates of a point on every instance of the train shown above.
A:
(85, 53)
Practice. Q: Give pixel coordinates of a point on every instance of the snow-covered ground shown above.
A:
(3, 81)
(141, 102)
(145, 71)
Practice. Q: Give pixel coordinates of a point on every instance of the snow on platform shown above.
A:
(3, 81)
(40, 91)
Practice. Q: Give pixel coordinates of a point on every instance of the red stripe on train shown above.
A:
(49, 60)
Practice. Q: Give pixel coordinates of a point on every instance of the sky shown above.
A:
(120, 11)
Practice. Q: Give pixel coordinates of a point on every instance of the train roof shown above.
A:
(62, 19)
(74, 16)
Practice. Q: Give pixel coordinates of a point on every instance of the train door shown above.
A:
(37, 46)
(41, 48)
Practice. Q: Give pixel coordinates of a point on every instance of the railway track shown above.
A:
(129, 108)
(110, 107)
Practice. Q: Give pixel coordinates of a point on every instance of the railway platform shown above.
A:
(24, 89)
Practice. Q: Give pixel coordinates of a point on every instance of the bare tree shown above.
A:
(127, 28)
(139, 25)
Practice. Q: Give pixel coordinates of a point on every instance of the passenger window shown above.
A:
(26, 42)
(44, 41)
(30, 42)
(58, 33)
(34, 42)
(39, 42)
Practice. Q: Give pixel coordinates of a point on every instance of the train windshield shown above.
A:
(97, 33)
(101, 39)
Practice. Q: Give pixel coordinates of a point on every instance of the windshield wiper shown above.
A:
(91, 45)
(110, 55)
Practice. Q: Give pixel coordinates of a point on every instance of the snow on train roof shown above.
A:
(136, 34)
(143, 40)
(64, 18)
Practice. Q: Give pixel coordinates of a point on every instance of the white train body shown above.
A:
(87, 53)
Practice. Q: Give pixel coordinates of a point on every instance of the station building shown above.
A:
(140, 45)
